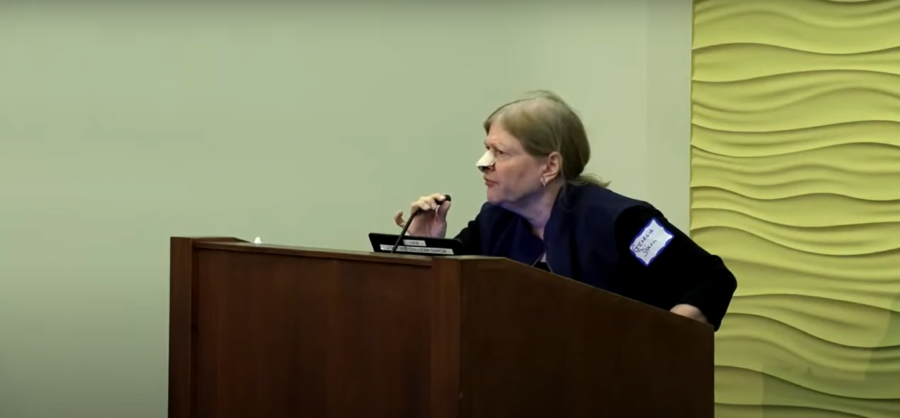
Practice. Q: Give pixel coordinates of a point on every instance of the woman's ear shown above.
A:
(553, 166)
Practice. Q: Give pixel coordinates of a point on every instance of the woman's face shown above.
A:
(510, 174)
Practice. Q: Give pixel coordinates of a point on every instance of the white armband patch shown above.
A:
(650, 241)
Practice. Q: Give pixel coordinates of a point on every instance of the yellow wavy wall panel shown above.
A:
(795, 171)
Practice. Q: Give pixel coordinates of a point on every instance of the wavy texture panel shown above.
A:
(795, 167)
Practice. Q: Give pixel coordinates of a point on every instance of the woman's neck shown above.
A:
(537, 208)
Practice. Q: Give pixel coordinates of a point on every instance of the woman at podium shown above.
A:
(542, 210)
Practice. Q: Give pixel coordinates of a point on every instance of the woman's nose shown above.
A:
(486, 162)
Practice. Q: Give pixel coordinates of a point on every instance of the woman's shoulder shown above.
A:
(596, 200)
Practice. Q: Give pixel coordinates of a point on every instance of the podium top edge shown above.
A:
(274, 249)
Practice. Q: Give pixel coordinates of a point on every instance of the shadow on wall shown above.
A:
(841, 374)
(884, 364)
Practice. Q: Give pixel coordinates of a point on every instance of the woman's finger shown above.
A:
(398, 219)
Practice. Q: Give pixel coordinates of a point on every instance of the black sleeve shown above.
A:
(651, 246)
(470, 238)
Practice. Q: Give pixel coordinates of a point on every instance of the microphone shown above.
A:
(409, 222)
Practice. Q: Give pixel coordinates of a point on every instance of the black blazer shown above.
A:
(611, 242)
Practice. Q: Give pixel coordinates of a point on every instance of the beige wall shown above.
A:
(122, 126)
(668, 108)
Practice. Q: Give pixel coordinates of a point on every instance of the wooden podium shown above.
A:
(262, 331)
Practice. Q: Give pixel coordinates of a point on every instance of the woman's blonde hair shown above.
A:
(544, 123)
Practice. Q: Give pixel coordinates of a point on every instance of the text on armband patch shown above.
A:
(648, 243)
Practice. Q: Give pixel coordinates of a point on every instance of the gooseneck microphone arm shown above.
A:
(409, 222)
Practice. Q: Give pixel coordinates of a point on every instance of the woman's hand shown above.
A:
(689, 311)
(431, 222)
